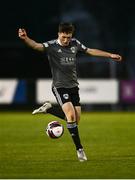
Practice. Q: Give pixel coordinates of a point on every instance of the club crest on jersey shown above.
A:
(65, 96)
(73, 49)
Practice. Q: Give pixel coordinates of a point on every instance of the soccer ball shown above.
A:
(54, 129)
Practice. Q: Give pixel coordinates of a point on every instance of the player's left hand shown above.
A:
(116, 57)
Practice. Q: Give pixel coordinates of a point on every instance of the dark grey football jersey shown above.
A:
(62, 61)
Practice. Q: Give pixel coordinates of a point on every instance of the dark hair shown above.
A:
(66, 28)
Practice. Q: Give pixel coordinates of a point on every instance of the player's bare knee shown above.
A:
(78, 120)
(70, 118)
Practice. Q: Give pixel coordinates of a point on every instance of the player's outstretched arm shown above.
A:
(100, 53)
(30, 42)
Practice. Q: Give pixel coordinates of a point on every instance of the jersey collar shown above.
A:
(59, 42)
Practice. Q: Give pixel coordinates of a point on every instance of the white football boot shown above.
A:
(81, 155)
(43, 109)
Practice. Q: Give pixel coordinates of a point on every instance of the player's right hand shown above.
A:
(22, 33)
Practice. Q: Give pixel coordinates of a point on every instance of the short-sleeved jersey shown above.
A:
(62, 61)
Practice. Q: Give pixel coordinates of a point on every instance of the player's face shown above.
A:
(64, 38)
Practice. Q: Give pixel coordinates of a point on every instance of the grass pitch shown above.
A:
(27, 153)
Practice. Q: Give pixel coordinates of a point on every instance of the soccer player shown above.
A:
(62, 58)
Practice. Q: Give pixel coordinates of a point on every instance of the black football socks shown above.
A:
(57, 111)
(73, 129)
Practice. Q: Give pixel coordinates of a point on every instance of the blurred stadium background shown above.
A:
(107, 25)
(105, 86)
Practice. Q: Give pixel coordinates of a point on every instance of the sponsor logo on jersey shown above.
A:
(67, 60)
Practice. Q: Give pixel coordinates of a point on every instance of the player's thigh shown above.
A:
(69, 111)
(78, 113)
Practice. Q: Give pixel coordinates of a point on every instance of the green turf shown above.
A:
(26, 151)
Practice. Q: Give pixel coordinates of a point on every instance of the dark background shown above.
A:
(106, 24)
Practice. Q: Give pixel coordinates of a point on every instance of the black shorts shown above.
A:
(64, 95)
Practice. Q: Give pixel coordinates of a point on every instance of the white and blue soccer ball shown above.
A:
(54, 129)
